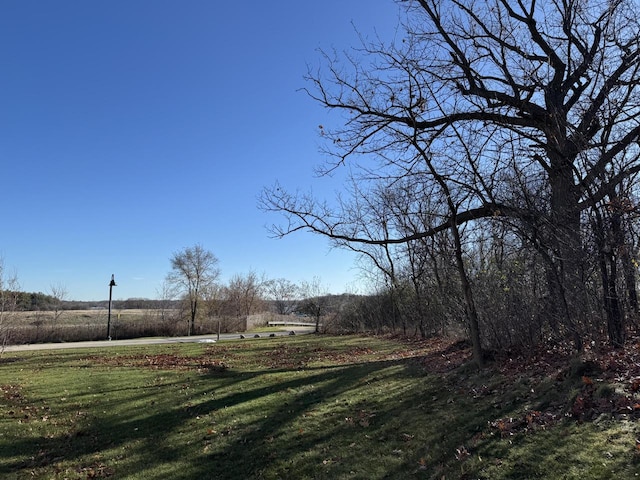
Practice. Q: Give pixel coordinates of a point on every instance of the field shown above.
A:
(82, 325)
(310, 407)
(75, 318)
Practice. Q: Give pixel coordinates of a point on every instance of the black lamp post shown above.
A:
(112, 284)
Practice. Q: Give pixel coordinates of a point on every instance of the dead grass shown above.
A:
(87, 325)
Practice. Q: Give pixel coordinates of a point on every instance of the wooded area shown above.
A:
(493, 156)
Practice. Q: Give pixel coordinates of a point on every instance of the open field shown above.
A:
(96, 316)
(99, 316)
(30, 327)
(85, 325)
(310, 407)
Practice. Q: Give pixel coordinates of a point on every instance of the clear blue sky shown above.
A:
(130, 129)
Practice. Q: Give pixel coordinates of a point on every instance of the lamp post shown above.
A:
(112, 284)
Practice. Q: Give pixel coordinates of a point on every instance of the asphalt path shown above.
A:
(156, 340)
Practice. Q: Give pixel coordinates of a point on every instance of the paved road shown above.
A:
(150, 341)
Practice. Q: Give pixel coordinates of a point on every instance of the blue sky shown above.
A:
(131, 129)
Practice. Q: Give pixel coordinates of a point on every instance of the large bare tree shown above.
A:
(283, 293)
(243, 295)
(497, 109)
(315, 300)
(193, 271)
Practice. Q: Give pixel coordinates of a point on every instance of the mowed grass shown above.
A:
(304, 407)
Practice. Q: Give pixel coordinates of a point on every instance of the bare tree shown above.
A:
(194, 269)
(9, 291)
(243, 295)
(214, 300)
(166, 295)
(283, 293)
(526, 112)
(314, 300)
(58, 292)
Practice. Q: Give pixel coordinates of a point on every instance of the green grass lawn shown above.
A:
(305, 407)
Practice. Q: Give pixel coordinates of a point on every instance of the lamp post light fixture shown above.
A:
(112, 284)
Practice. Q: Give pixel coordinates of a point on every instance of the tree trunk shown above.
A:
(472, 313)
(630, 279)
(557, 309)
(194, 310)
(613, 310)
(566, 286)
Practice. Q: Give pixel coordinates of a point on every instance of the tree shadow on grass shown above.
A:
(147, 433)
(379, 419)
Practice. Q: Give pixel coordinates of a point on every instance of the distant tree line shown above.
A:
(32, 301)
(38, 301)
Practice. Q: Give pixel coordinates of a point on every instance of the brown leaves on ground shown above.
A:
(598, 364)
(279, 355)
(165, 361)
(97, 470)
(599, 381)
(17, 406)
(294, 356)
(11, 393)
(530, 421)
(444, 354)
(362, 418)
(286, 356)
(607, 380)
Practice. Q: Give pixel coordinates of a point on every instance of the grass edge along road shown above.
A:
(311, 407)
(209, 338)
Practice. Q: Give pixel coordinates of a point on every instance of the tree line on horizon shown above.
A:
(38, 301)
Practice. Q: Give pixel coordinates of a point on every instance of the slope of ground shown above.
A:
(318, 407)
